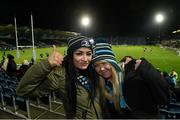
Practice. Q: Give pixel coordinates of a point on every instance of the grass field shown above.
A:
(164, 59)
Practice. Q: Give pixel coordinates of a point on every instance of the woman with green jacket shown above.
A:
(73, 78)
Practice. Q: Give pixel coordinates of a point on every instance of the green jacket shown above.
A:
(41, 79)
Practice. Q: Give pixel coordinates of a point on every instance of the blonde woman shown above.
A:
(110, 82)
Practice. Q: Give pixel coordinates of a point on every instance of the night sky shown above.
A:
(108, 17)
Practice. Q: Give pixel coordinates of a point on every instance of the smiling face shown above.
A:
(82, 58)
(104, 69)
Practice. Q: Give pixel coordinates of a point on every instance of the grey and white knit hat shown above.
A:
(78, 42)
(103, 51)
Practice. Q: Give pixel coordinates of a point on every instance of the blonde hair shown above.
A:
(116, 92)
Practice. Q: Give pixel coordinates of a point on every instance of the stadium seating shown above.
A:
(9, 98)
(12, 84)
(2, 98)
(47, 103)
(3, 83)
(18, 104)
(171, 111)
(4, 75)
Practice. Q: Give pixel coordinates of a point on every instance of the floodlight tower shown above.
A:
(159, 18)
(85, 21)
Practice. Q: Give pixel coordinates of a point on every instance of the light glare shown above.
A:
(159, 18)
(85, 21)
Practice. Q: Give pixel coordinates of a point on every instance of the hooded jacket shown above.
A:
(144, 90)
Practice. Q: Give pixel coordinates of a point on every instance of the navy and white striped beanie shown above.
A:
(103, 51)
(78, 42)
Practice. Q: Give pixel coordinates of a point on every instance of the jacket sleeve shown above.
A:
(155, 82)
(36, 82)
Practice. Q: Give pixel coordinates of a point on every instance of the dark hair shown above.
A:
(70, 106)
(124, 58)
(130, 66)
(9, 56)
(70, 85)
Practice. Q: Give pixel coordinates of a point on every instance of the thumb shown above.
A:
(54, 48)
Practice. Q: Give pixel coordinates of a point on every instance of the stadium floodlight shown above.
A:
(85, 21)
(159, 18)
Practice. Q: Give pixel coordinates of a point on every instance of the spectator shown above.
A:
(74, 80)
(10, 65)
(170, 80)
(2, 61)
(144, 88)
(47, 54)
(32, 61)
(110, 81)
(23, 68)
(41, 56)
(172, 77)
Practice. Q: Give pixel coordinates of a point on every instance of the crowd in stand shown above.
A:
(10, 67)
(172, 43)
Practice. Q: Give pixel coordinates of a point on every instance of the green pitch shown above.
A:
(164, 59)
(27, 54)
